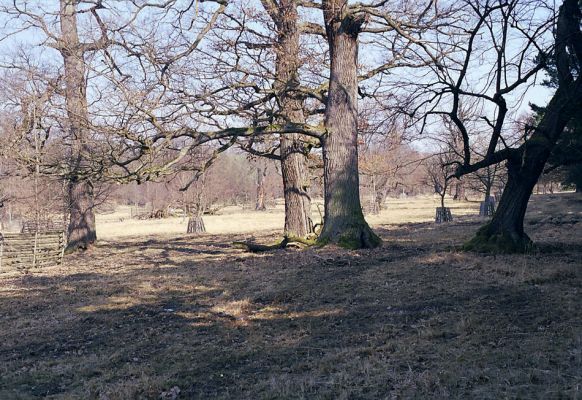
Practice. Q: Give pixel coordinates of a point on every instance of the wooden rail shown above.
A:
(43, 225)
(31, 250)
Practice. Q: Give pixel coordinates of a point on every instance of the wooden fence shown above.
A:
(30, 250)
(43, 225)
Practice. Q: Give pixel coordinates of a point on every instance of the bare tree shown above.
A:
(386, 167)
(439, 173)
(344, 221)
(66, 40)
(152, 109)
(510, 35)
(81, 232)
(294, 164)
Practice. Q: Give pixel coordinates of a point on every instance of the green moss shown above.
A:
(498, 243)
(358, 237)
(308, 241)
(349, 242)
(322, 241)
(353, 235)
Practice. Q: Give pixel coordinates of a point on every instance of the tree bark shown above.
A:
(505, 232)
(344, 221)
(295, 185)
(379, 193)
(459, 192)
(260, 204)
(81, 230)
(294, 167)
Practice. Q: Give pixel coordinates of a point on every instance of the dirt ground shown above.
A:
(181, 317)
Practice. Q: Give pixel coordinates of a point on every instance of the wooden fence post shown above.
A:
(34, 252)
(63, 245)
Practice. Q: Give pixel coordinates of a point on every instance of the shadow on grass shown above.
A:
(135, 318)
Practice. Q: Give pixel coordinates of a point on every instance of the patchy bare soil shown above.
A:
(192, 317)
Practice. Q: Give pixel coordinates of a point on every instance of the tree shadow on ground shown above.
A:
(408, 320)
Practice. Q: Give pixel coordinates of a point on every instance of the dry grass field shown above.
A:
(190, 317)
(235, 220)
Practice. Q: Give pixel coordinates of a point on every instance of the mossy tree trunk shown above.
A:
(505, 232)
(344, 221)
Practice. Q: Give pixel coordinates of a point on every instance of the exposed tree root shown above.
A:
(287, 241)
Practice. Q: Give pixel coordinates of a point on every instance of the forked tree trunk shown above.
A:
(81, 231)
(344, 221)
(294, 167)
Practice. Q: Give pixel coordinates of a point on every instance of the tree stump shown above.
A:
(443, 215)
(196, 225)
(487, 207)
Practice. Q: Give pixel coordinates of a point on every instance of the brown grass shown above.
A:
(235, 220)
(413, 319)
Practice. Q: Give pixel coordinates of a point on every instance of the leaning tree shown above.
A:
(516, 38)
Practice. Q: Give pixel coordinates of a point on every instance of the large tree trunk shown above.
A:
(505, 232)
(344, 221)
(294, 168)
(81, 231)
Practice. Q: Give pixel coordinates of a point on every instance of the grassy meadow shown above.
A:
(230, 220)
(152, 313)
